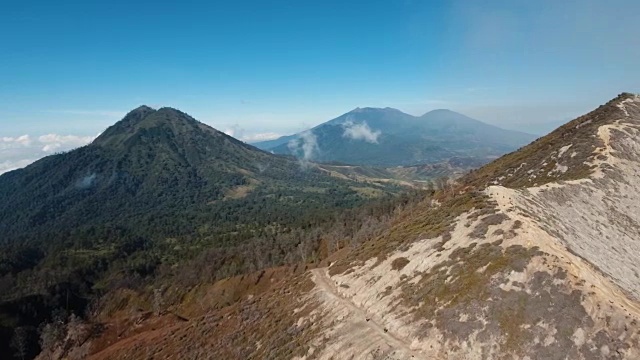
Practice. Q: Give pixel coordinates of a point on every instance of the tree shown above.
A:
(157, 302)
(441, 182)
(50, 335)
(451, 186)
(19, 341)
(430, 187)
(76, 330)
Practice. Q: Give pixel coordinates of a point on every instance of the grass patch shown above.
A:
(480, 230)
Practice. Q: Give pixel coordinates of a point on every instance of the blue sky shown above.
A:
(75, 67)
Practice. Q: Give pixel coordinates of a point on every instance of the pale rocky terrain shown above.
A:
(549, 272)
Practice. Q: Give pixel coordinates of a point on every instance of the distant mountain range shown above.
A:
(389, 137)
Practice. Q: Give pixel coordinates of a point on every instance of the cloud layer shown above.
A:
(20, 151)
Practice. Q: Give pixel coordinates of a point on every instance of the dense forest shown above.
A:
(47, 284)
(159, 199)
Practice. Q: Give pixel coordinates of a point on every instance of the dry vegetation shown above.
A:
(258, 325)
(399, 263)
(534, 164)
(420, 221)
(464, 278)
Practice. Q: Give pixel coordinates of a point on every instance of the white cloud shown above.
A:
(234, 131)
(20, 151)
(8, 142)
(51, 147)
(8, 165)
(240, 133)
(360, 131)
(260, 137)
(54, 142)
(304, 147)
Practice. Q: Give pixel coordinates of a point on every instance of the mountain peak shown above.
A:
(126, 125)
(373, 109)
(144, 118)
(170, 110)
(442, 112)
(142, 108)
(138, 113)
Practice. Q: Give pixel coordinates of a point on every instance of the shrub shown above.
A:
(399, 263)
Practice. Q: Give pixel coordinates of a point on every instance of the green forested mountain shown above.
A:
(151, 191)
(150, 169)
(389, 137)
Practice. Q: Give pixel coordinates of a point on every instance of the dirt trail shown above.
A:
(361, 319)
